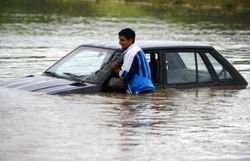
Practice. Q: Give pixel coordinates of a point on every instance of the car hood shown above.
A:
(51, 85)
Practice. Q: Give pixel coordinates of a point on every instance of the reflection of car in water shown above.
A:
(87, 69)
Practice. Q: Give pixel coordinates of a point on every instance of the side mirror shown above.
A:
(116, 83)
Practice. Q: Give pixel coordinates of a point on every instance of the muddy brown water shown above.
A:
(171, 124)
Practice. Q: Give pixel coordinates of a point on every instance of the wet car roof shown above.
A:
(148, 44)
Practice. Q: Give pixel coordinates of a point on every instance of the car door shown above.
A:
(185, 68)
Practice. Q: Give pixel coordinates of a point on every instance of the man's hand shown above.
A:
(115, 68)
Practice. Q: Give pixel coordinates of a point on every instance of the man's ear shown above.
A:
(131, 41)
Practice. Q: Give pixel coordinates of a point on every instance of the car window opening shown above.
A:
(154, 66)
(186, 68)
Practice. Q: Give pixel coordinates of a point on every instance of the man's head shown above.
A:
(126, 38)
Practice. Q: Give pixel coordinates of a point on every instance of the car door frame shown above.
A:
(160, 82)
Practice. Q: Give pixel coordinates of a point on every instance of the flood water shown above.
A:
(172, 124)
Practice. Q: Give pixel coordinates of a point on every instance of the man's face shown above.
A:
(124, 42)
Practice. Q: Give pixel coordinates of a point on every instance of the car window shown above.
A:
(86, 63)
(150, 55)
(153, 60)
(181, 68)
(221, 72)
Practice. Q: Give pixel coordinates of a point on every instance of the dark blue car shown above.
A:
(174, 64)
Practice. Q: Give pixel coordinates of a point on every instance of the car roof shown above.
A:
(149, 44)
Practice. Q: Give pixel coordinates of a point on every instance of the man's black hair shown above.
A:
(128, 33)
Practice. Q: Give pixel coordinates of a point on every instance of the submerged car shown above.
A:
(174, 64)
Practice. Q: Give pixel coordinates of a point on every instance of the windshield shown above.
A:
(83, 64)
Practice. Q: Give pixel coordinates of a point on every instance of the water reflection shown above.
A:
(195, 122)
(189, 118)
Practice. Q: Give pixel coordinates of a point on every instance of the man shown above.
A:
(135, 69)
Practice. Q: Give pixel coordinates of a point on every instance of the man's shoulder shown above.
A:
(135, 49)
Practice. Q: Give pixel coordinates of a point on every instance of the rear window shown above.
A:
(221, 72)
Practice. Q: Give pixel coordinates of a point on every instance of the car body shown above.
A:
(174, 64)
